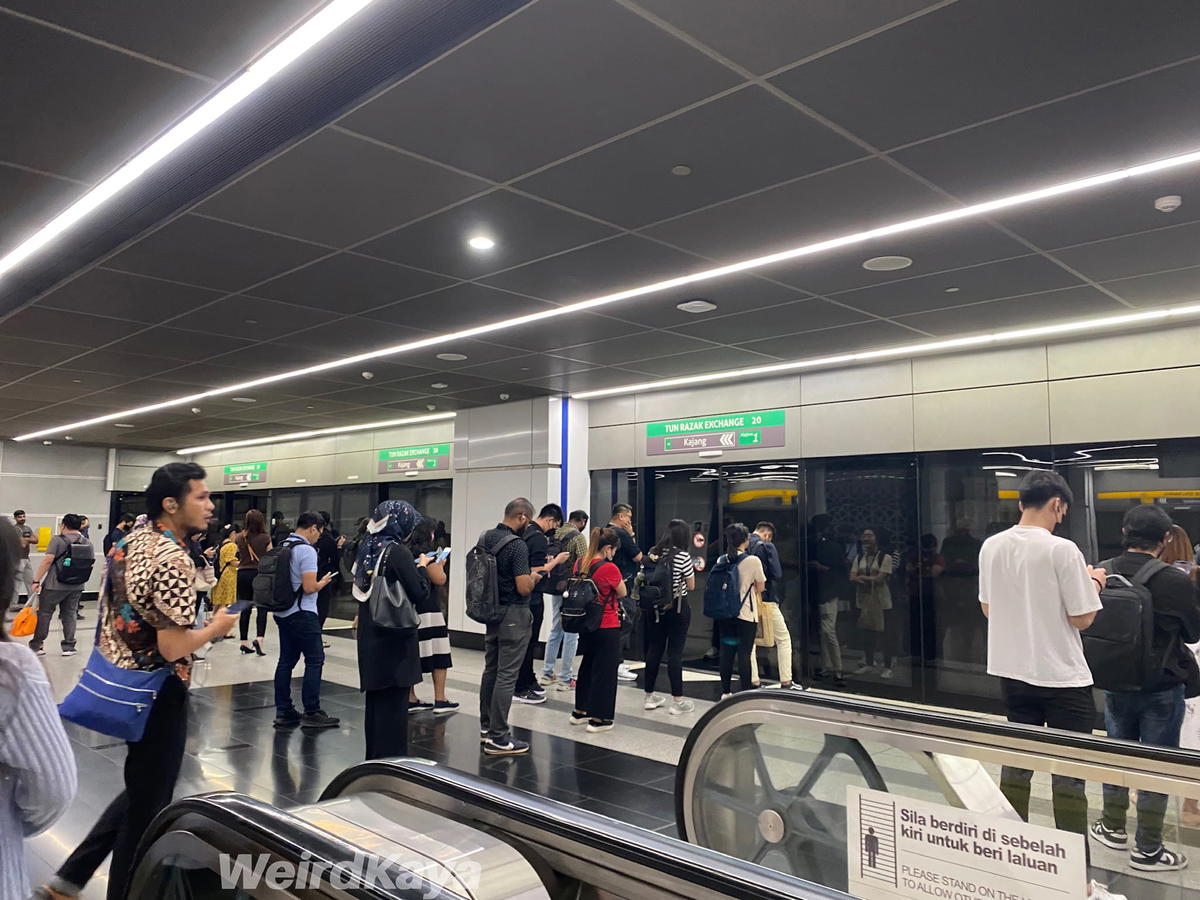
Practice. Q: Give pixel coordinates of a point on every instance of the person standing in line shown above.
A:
(869, 573)
(762, 545)
(596, 693)
(389, 661)
(24, 572)
(148, 608)
(628, 560)
(1038, 594)
(300, 631)
(828, 582)
(433, 636)
(224, 592)
(252, 543)
(119, 531)
(667, 631)
(52, 593)
(504, 642)
(1153, 715)
(537, 535)
(40, 774)
(737, 634)
(328, 552)
(571, 538)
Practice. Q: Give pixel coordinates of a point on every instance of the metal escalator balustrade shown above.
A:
(764, 777)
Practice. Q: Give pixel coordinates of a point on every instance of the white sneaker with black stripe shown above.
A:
(1165, 860)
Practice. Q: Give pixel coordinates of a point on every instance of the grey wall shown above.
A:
(1090, 389)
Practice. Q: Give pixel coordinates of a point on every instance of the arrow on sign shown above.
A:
(727, 438)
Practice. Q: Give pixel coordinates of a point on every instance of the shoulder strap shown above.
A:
(1149, 569)
(502, 543)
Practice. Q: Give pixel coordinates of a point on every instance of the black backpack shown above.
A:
(483, 581)
(273, 583)
(557, 578)
(582, 609)
(657, 593)
(1119, 644)
(74, 565)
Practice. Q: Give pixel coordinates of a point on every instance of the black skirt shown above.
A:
(387, 657)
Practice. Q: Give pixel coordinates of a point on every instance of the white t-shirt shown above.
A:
(750, 571)
(1031, 581)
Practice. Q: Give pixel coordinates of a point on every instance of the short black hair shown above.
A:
(325, 515)
(551, 511)
(620, 508)
(518, 506)
(1145, 527)
(1041, 486)
(127, 518)
(770, 526)
(172, 481)
(72, 521)
(578, 516)
(18, 512)
(309, 518)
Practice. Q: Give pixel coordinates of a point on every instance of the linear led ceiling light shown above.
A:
(859, 237)
(979, 340)
(311, 32)
(318, 432)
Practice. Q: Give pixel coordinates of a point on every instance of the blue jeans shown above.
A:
(559, 638)
(299, 635)
(1152, 718)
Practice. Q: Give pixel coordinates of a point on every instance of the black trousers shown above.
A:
(245, 591)
(525, 677)
(151, 770)
(669, 635)
(386, 722)
(596, 686)
(737, 642)
(1071, 709)
(325, 602)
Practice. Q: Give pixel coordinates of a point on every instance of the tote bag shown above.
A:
(388, 602)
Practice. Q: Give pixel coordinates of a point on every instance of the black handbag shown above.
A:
(388, 602)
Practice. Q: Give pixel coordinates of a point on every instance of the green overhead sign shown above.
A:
(427, 457)
(246, 473)
(728, 431)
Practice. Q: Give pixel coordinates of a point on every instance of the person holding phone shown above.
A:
(433, 636)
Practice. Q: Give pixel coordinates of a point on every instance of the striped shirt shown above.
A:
(681, 570)
(37, 768)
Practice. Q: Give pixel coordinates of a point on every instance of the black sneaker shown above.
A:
(288, 721)
(483, 733)
(1164, 860)
(419, 706)
(318, 719)
(530, 697)
(442, 707)
(538, 689)
(508, 746)
(1117, 840)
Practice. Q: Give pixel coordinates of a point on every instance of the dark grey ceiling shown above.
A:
(555, 132)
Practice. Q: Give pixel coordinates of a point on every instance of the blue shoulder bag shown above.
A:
(109, 699)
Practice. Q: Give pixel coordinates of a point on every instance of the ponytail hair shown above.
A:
(601, 538)
(735, 535)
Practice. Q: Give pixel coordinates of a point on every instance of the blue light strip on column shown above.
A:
(563, 471)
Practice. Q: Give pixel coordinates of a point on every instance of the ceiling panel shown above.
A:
(713, 360)
(529, 368)
(1177, 287)
(353, 190)
(464, 305)
(350, 336)
(213, 254)
(863, 336)
(990, 281)
(350, 284)
(599, 269)
(634, 348)
(763, 35)
(24, 351)
(564, 331)
(854, 198)
(960, 64)
(132, 298)
(174, 343)
(91, 108)
(212, 38)
(13, 372)
(740, 143)
(455, 382)
(592, 380)
(477, 353)
(1066, 140)
(503, 394)
(799, 315)
(731, 294)
(523, 230)
(1139, 254)
(64, 327)
(586, 71)
(29, 201)
(252, 318)
(1044, 309)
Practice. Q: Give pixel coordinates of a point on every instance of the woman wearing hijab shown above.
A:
(389, 661)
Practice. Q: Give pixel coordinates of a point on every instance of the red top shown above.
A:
(606, 578)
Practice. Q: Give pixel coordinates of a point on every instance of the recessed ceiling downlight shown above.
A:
(887, 263)
(452, 357)
(480, 242)
(439, 385)
(697, 306)
(681, 170)
(242, 400)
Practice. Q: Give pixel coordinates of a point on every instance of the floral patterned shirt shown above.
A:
(148, 586)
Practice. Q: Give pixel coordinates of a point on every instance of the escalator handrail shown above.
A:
(707, 868)
(281, 834)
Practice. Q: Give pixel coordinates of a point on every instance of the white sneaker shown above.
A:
(711, 653)
(624, 673)
(654, 701)
(68, 653)
(886, 673)
(679, 707)
(862, 669)
(1098, 891)
(726, 696)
